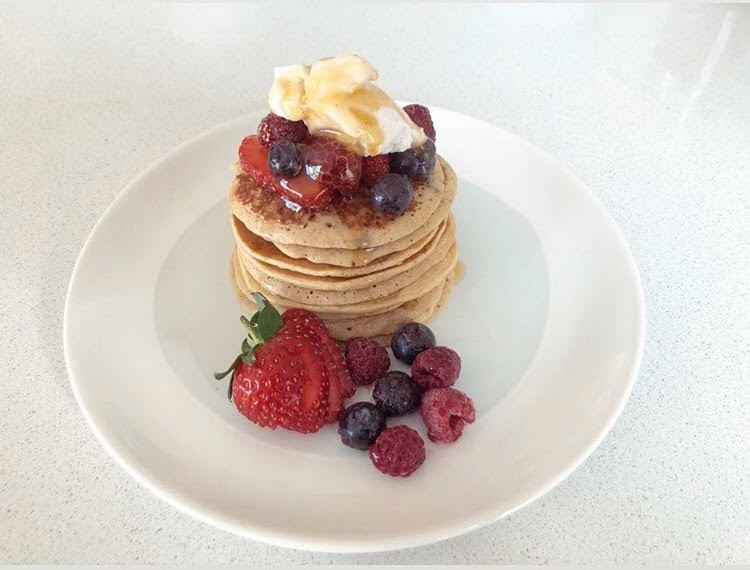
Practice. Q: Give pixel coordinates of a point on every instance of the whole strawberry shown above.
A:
(289, 373)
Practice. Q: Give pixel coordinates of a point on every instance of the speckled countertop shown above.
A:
(648, 104)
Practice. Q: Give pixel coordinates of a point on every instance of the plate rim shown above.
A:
(484, 516)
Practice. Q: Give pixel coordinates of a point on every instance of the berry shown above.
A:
(254, 161)
(284, 159)
(436, 367)
(367, 360)
(373, 167)
(420, 116)
(392, 194)
(273, 128)
(299, 189)
(398, 451)
(411, 339)
(360, 425)
(331, 164)
(286, 375)
(416, 163)
(339, 381)
(396, 394)
(445, 412)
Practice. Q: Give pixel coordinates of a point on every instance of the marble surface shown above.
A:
(647, 103)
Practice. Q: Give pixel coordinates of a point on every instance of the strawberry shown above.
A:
(373, 167)
(300, 189)
(340, 382)
(281, 377)
(332, 164)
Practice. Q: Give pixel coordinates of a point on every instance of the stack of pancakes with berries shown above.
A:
(341, 206)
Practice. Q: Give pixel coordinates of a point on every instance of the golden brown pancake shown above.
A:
(267, 255)
(292, 284)
(380, 326)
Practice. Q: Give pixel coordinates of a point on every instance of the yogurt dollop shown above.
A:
(337, 96)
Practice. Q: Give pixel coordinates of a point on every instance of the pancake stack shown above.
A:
(362, 273)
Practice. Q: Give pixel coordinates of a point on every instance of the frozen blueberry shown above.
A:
(416, 163)
(411, 339)
(360, 424)
(391, 194)
(397, 394)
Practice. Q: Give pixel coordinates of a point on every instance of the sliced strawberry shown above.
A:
(340, 382)
(286, 386)
(315, 384)
(281, 376)
(254, 161)
(305, 191)
(300, 189)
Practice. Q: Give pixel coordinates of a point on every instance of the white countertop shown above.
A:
(650, 105)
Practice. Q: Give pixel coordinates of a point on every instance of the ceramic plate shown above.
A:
(548, 320)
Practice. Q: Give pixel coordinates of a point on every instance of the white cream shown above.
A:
(337, 96)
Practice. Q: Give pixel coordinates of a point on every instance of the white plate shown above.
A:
(549, 322)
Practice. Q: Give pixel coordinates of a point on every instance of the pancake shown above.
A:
(373, 305)
(267, 255)
(352, 224)
(381, 326)
(285, 282)
(363, 257)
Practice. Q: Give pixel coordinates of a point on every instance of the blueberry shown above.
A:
(284, 159)
(411, 339)
(397, 394)
(391, 194)
(360, 425)
(416, 163)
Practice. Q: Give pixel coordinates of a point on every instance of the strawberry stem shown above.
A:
(252, 332)
(222, 375)
(265, 323)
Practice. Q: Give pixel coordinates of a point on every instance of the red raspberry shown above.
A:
(367, 360)
(273, 128)
(420, 115)
(373, 167)
(445, 411)
(333, 165)
(436, 367)
(398, 451)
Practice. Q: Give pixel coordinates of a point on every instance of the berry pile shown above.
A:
(291, 374)
(399, 451)
(310, 170)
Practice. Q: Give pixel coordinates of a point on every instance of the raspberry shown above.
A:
(273, 128)
(420, 116)
(333, 165)
(436, 367)
(398, 451)
(445, 412)
(367, 360)
(373, 167)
